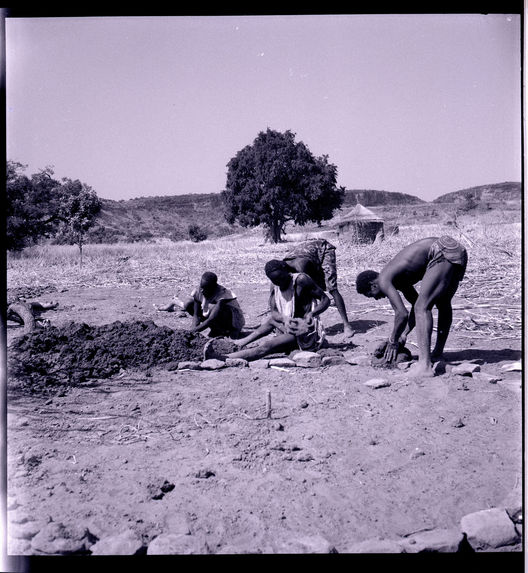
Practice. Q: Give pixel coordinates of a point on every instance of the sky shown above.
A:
(423, 104)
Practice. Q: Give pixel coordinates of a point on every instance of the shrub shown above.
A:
(197, 234)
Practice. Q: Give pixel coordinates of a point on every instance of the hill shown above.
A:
(150, 218)
(372, 197)
(494, 193)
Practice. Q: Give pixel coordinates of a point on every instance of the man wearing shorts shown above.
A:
(440, 263)
(317, 259)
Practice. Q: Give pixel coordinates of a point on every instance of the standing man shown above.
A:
(440, 263)
(317, 259)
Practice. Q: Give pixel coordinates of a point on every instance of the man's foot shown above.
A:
(420, 371)
(348, 332)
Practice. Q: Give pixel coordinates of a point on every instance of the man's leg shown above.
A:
(445, 319)
(436, 284)
(340, 305)
(263, 330)
(280, 343)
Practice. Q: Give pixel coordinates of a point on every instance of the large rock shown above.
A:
(176, 544)
(334, 360)
(376, 545)
(307, 359)
(436, 540)
(26, 530)
(212, 364)
(465, 369)
(489, 528)
(262, 363)
(55, 538)
(307, 544)
(377, 383)
(236, 362)
(282, 363)
(126, 543)
(189, 365)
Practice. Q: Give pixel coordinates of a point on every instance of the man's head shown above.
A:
(208, 283)
(278, 273)
(367, 284)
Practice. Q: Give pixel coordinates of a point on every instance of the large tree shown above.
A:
(41, 206)
(276, 180)
(31, 206)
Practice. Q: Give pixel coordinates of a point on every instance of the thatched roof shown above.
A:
(360, 213)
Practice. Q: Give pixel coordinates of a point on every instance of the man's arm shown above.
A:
(276, 319)
(411, 295)
(308, 289)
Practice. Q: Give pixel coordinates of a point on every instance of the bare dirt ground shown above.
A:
(162, 452)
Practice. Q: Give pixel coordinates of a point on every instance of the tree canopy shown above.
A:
(40, 206)
(275, 180)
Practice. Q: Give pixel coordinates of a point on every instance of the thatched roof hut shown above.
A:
(361, 225)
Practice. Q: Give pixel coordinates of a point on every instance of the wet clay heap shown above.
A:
(52, 357)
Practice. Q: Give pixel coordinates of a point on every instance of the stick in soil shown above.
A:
(268, 404)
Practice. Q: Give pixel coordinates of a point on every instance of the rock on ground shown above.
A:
(489, 528)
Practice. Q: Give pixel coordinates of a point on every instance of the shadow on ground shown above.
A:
(487, 356)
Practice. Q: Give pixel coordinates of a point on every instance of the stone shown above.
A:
(176, 523)
(489, 528)
(376, 545)
(307, 359)
(262, 363)
(377, 383)
(436, 540)
(457, 422)
(25, 530)
(56, 538)
(125, 543)
(465, 369)
(488, 378)
(212, 364)
(176, 544)
(236, 362)
(417, 453)
(282, 363)
(308, 544)
(439, 368)
(18, 547)
(189, 365)
(333, 360)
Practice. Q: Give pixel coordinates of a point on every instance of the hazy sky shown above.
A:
(141, 106)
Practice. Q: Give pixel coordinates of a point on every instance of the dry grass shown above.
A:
(489, 298)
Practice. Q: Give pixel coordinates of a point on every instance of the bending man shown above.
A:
(317, 259)
(440, 263)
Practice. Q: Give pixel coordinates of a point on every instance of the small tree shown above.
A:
(196, 233)
(276, 180)
(79, 206)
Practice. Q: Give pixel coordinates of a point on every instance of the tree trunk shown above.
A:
(275, 231)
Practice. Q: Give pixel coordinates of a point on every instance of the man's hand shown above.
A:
(391, 351)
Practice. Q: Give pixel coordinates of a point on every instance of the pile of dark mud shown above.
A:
(54, 357)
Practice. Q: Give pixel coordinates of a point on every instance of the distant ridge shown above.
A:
(373, 197)
(493, 193)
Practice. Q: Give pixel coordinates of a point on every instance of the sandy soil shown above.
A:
(337, 462)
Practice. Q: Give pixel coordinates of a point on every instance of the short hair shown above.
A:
(364, 280)
(209, 278)
(276, 265)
